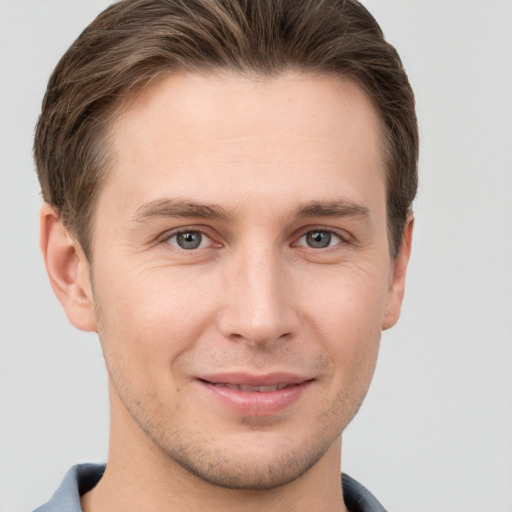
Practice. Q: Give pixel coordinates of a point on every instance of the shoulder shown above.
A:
(78, 480)
(358, 498)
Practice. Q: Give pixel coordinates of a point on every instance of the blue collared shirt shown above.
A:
(83, 477)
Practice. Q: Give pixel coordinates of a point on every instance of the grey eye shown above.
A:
(318, 239)
(188, 239)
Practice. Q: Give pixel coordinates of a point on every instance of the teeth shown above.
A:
(260, 389)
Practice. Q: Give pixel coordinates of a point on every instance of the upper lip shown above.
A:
(248, 379)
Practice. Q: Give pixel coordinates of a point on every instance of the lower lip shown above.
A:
(257, 403)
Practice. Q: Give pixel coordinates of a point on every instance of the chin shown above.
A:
(250, 472)
(257, 462)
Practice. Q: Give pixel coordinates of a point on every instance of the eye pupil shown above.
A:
(189, 239)
(318, 239)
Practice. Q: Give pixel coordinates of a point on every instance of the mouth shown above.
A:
(252, 395)
(258, 389)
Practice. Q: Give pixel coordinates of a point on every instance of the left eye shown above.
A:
(319, 239)
(189, 240)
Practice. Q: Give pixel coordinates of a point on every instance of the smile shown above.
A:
(259, 389)
(250, 395)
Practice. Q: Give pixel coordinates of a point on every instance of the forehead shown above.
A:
(201, 130)
(280, 102)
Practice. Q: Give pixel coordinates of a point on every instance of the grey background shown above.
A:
(435, 432)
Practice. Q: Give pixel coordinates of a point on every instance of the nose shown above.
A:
(258, 307)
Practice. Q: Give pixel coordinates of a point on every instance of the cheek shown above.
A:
(150, 316)
(346, 310)
(345, 300)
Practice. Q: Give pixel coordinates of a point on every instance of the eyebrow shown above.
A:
(161, 208)
(164, 208)
(340, 208)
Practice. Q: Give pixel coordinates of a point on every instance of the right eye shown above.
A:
(189, 240)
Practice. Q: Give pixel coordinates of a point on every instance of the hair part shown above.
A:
(134, 42)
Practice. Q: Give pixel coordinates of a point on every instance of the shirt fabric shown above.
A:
(83, 477)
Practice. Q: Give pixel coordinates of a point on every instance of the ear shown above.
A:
(397, 282)
(68, 269)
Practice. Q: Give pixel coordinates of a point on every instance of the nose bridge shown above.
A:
(258, 307)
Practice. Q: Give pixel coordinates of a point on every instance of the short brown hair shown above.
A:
(135, 41)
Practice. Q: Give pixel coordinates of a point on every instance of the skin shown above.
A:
(279, 161)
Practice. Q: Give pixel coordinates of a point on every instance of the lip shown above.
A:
(249, 395)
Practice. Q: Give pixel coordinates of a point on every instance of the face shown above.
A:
(241, 271)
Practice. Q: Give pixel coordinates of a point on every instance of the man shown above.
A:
(228, 189)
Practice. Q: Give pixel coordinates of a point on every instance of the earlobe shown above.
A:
(397, 283)
(68, 269)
